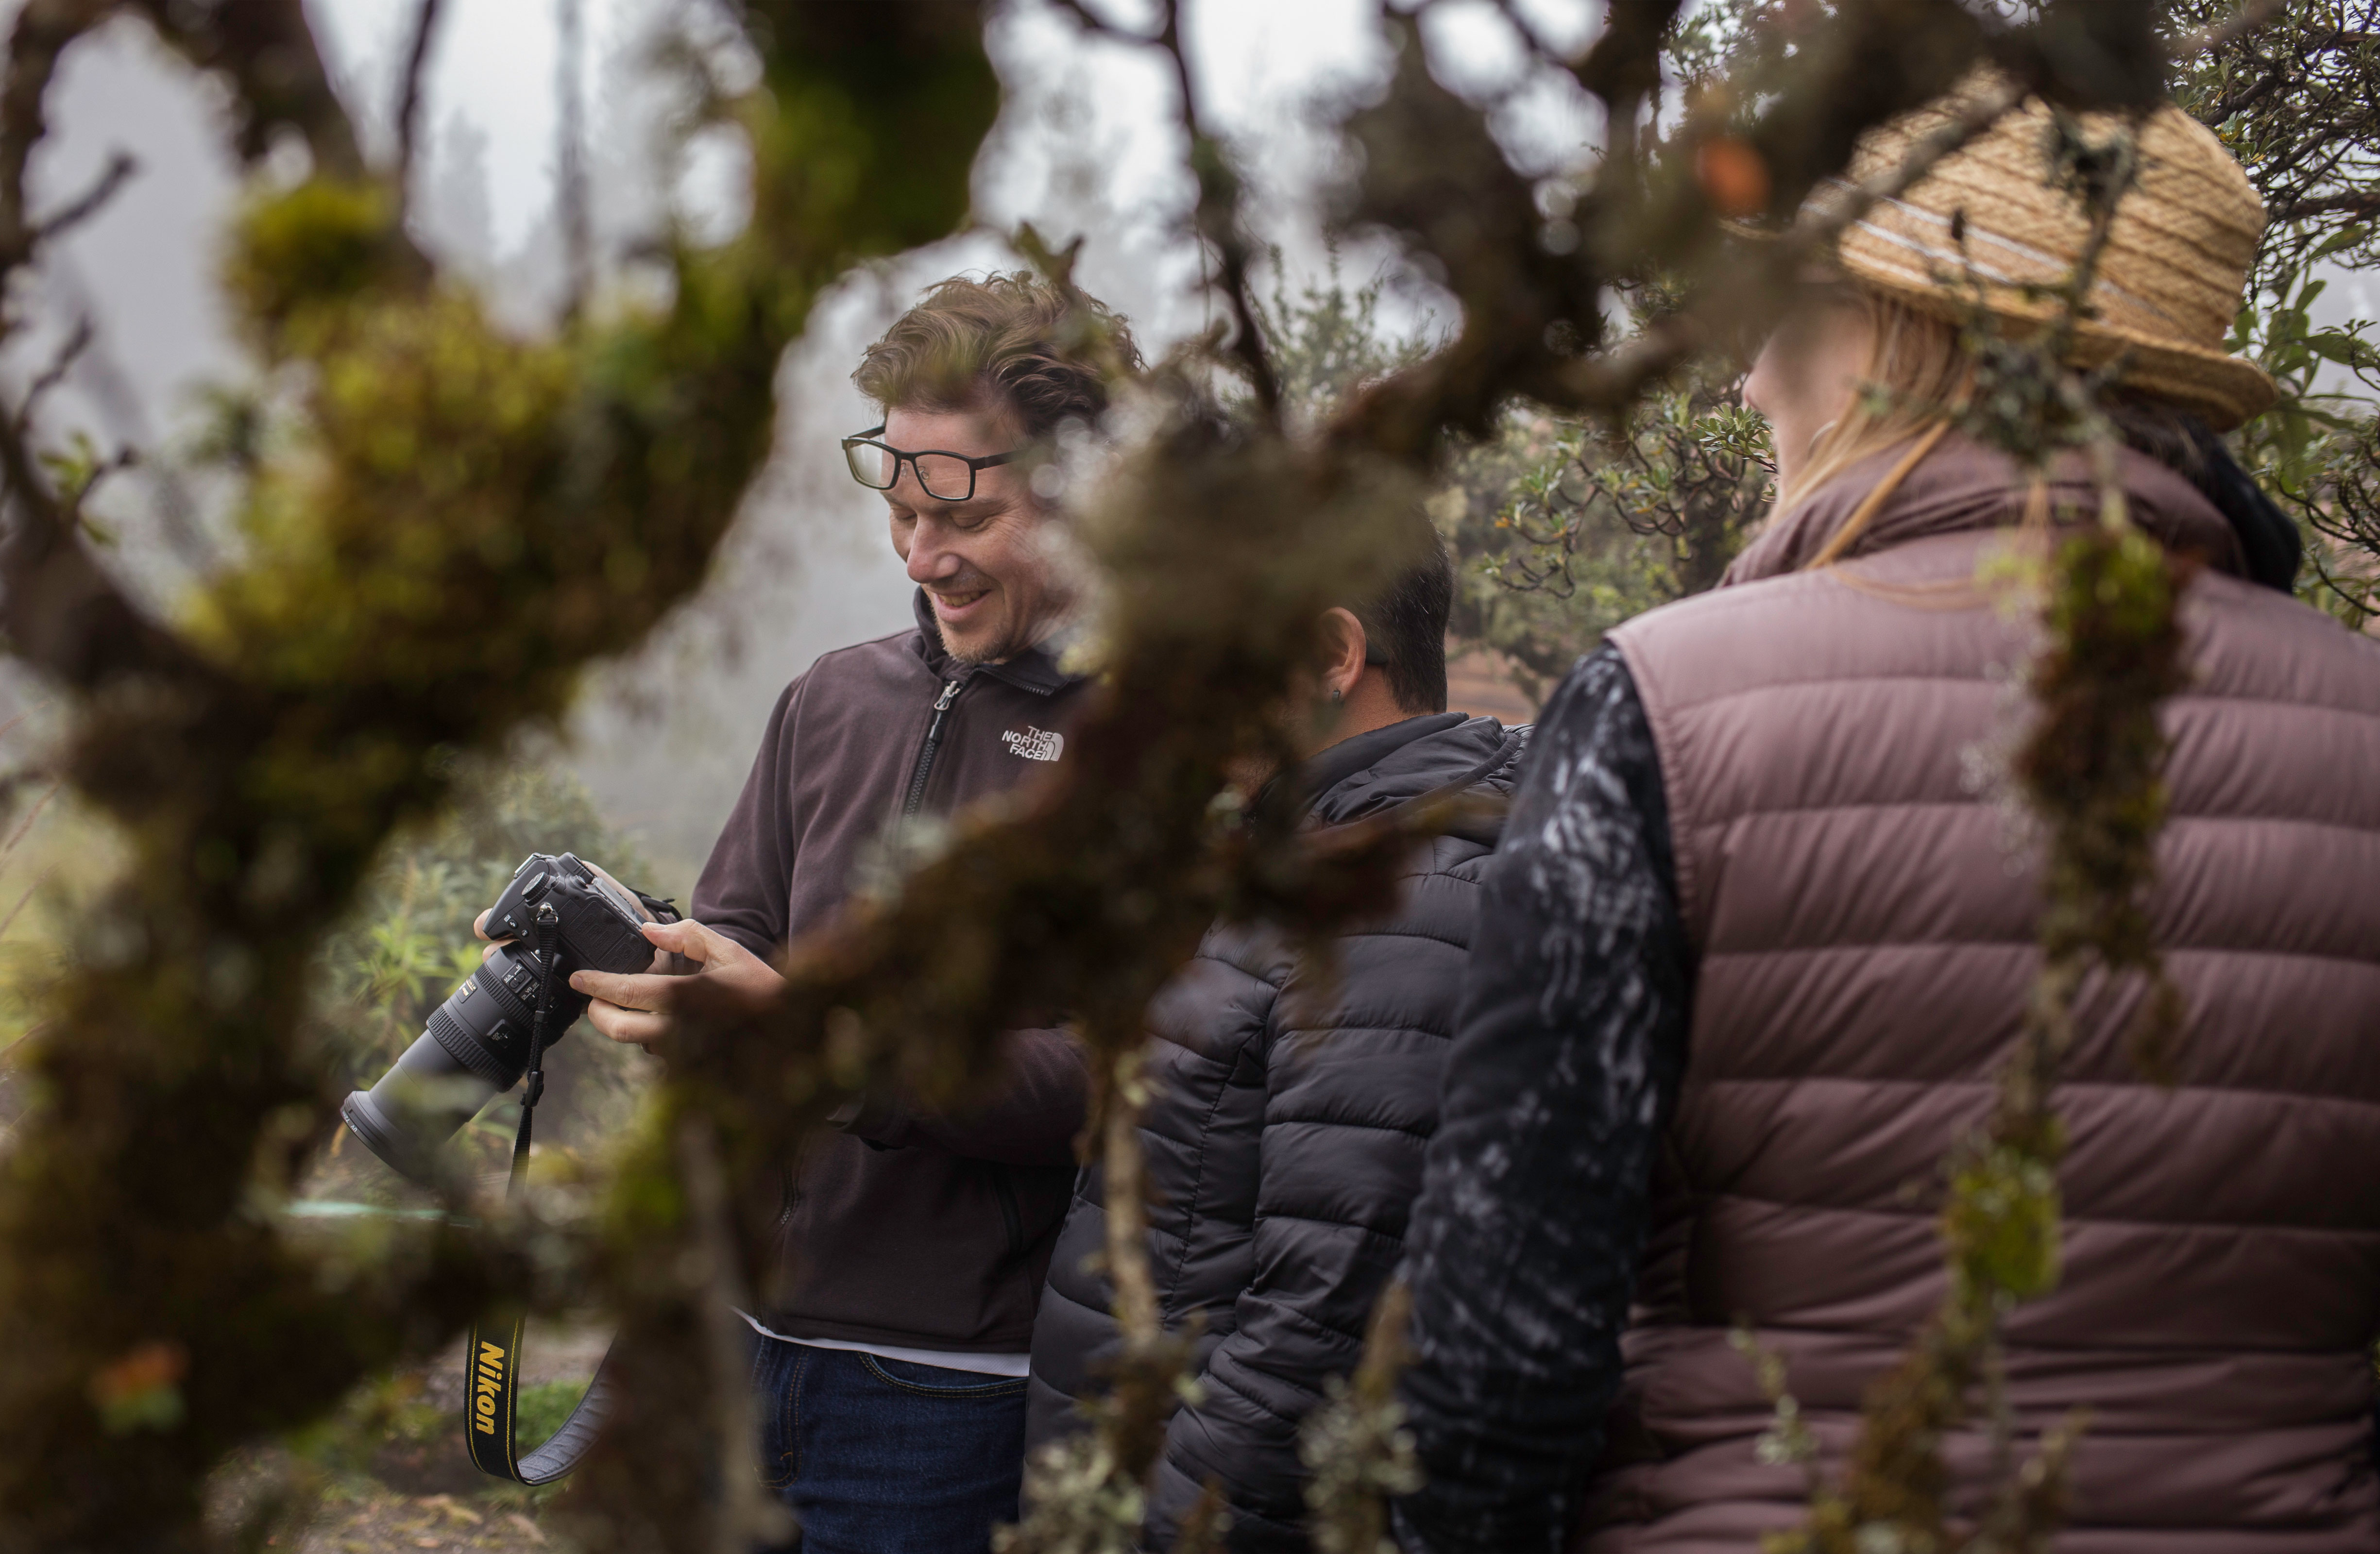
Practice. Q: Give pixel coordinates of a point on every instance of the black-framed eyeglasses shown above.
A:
(946, 477)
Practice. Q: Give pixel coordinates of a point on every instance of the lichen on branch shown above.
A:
(457, 522)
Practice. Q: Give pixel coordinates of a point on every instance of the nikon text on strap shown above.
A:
(492, 1361)
(493, 1373)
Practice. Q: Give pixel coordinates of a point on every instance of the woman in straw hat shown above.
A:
(1759, 937)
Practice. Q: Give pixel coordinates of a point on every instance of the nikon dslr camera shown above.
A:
(478, 1043)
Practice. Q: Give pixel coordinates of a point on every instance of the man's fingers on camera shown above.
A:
(479, 930)
(628, 989)
(637, 1027)
(722, 961)
(709, 949)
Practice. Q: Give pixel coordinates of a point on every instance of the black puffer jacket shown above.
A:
(1284, 1141)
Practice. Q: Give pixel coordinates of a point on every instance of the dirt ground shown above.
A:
(383, 1523)
(390, 1477)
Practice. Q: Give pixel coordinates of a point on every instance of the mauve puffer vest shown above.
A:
(1864, 906)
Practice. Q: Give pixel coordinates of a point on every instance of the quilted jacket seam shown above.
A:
(2070, 1217)
(1420, 1133)
(1981, 1083)
(1194, 1198)
(2206, 819)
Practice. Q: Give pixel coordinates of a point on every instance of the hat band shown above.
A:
(2025, 265)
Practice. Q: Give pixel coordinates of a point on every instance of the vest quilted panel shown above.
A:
(1864, 907)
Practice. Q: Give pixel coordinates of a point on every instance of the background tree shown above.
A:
(2297, 100)
(1568, 526)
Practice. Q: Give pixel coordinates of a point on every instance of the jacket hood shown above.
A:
(1962, 485)
(1388, 767)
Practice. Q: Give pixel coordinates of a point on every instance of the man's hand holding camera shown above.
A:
(652, 1009)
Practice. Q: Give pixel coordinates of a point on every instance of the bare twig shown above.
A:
(2241, 22)
(111, 391)
(409, 100)
(42, 516)
(1614, 379)
(1218, 221)
(61, 610)
(10, 920)
(42, 30)
(120, 167)
(266, 49)
(1099, 24)
(2357, 205)
(1535, 39)
(570, 194)
(1355, 1446)
(1623, 68)
(24, 826)
(1619, 376)
(1126, 1192)
(62, 362)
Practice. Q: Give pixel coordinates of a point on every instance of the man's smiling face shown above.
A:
(981, 561)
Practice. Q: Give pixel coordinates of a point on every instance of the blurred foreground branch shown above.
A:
(466, 518)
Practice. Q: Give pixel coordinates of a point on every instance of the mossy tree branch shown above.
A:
(464, 520)
(467, 519)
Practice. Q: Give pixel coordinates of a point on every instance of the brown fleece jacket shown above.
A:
(906, 1228)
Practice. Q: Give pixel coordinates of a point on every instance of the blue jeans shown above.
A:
(880, 1456)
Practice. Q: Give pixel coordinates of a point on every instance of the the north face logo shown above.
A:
(1034, 744)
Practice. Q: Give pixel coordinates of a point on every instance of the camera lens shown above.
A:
(416, 1105)
(475, 1049)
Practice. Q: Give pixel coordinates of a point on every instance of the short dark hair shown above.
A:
(1407, 623)
(1035, 347)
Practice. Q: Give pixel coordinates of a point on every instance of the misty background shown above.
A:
(1088, 145)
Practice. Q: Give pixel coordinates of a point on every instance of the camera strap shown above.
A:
(491, 1356)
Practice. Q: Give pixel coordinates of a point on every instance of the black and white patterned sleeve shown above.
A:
(1523, 1249)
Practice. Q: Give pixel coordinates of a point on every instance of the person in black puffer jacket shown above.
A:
(1290, 1105)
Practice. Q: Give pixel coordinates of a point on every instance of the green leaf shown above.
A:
(2345, 237)
(2340, 346)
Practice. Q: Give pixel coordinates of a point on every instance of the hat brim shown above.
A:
(2222, 390)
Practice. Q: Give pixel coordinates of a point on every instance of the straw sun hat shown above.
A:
(2169, 283)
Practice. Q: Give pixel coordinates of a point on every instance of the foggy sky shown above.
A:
(1086, 144)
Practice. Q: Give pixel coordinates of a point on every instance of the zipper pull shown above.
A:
(924, 769)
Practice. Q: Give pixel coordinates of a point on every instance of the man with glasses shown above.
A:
(892, 1344)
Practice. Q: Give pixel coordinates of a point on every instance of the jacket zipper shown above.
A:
(925, 767)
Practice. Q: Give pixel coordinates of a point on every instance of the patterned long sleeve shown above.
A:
(1523, 1248)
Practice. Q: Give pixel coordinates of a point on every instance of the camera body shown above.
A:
(477, 1045)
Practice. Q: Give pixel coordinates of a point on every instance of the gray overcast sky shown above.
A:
(491, 95)
(494, 65)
